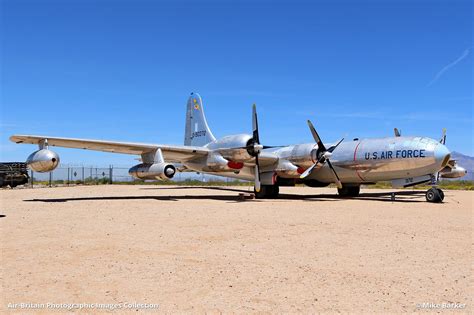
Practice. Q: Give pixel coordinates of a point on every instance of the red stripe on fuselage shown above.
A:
(355, 155)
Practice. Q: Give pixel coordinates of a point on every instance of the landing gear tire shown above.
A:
(267, 192)
(434, 195)
(349, 191)
(441, 193)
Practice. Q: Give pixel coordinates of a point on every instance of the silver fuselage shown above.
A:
(358, 161)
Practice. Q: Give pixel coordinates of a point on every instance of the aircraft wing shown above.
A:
(264, 158)
(171, 153)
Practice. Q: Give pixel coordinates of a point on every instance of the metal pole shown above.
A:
(50, 179)
(82, 174)
(110, 174)
(32, 178)
(68, 176)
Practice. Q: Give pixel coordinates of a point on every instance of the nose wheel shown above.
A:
(434, 195)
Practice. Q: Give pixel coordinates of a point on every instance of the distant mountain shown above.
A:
(465, 161)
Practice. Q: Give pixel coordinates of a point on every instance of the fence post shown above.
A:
(82, 174)
(68, 175)
(110, 174)
(50, 178)
(31, 178)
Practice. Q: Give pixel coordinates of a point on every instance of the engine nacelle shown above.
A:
(233, 148)
(301, 155)
(455, 172)
(43, 160)
(159, 171)
(286, 169)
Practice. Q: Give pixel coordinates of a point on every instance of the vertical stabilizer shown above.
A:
(197, 132)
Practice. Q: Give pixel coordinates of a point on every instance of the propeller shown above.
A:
(324, 155)
(443, 142)
(256, 147)
(443, 137)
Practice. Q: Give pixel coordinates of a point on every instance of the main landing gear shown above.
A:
(267, 192)
(349, 191)
(434, 194)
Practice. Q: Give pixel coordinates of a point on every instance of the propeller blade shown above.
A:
(273, 146)
(257, 175)
(443, 142)
(331, 148)
(255, 124)
(308, 171)
(263, 147)
(316, 136)
(338, 181)
(443, 137)
(397, 132)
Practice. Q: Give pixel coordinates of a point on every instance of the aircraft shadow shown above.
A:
(201, 187)
(159, 198)
(408, 196)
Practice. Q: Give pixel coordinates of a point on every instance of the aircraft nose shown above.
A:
(442, 155)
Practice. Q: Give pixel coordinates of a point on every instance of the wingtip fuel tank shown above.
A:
(43, 160)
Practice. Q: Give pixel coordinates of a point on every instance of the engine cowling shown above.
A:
(455, 172)
(159, 171)
(233, 148)
(43, 160)
(287, 169)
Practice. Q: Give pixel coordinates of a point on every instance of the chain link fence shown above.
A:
(70, 174)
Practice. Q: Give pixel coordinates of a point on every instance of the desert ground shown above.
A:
(202, 250)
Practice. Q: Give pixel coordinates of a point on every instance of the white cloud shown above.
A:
(449, 66)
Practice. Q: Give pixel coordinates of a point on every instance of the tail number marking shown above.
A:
(197, 134)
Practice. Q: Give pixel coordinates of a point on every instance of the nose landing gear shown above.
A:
(434, 195)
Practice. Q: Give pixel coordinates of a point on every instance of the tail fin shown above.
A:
(197, 132)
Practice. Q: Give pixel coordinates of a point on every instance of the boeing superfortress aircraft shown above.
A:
(405, 161)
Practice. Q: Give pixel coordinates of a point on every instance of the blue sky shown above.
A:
(123, 70)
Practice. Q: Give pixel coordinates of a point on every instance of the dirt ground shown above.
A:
(200, 249)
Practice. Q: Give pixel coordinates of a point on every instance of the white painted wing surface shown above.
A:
(171, 153)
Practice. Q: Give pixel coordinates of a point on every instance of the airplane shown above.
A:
(405, 161)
